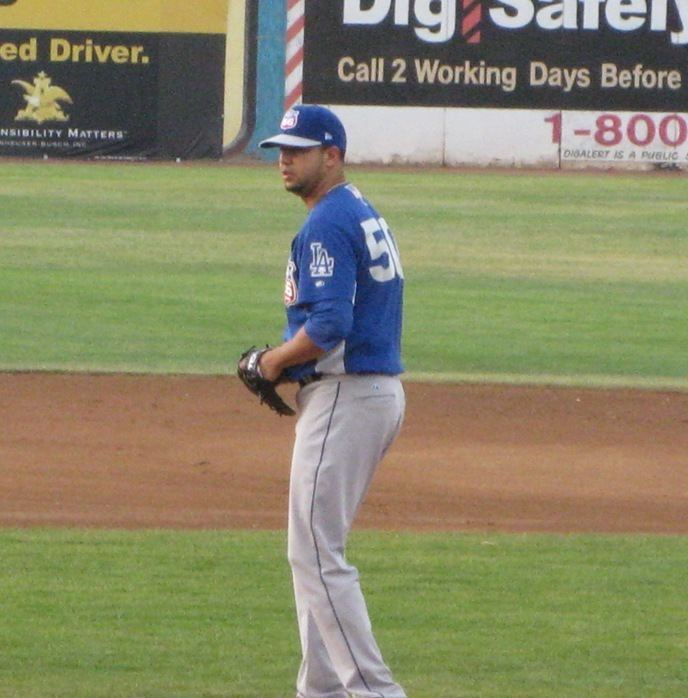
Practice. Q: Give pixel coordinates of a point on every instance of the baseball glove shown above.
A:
(249, 371)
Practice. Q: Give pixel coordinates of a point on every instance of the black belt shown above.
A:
(312, 378)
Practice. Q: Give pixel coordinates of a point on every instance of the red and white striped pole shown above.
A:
(472, 18)
(293, 73)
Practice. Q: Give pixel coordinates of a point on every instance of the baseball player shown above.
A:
(343, 297)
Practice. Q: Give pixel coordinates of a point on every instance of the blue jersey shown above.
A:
(344, 285)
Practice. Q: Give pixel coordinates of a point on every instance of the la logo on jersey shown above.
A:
(322, 265)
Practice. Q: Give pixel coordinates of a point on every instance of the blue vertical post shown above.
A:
(272, 25)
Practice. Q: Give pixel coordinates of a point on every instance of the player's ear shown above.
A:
(333, 155)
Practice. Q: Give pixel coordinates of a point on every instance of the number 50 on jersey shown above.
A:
(380, 242)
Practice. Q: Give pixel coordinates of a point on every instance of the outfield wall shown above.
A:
(515, 138)
(440, 82)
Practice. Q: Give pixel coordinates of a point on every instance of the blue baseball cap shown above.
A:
(307, 126)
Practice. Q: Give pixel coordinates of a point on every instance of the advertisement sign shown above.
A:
(531, 54)
(132, 78)
(658, 140)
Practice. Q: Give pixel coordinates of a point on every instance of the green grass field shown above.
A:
(532, 277)
(579, 279)
(176, 615)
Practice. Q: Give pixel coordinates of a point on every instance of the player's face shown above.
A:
(302, 169)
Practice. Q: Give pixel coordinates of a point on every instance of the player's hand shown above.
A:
(269, 366)
(250, 371)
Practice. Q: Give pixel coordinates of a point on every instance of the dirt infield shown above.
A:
(197, 452)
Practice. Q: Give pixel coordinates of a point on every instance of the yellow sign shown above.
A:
(234, 70)
(40, 40)
(42, 100)
(188, 16)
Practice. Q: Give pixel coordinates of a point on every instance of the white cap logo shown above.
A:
(289, 120)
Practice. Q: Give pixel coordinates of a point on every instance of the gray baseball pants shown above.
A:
(345, 425)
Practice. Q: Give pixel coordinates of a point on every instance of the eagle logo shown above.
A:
(42, 100)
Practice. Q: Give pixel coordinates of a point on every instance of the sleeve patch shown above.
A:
(290, 289)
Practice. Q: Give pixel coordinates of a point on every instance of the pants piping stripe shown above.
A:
(317, 549)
